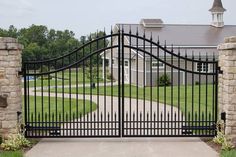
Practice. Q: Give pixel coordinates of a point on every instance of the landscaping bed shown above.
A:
(218, 147)
(18, 153)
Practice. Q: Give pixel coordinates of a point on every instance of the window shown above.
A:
(113, 61)
(106, 62)
(156, 65)
(202, 67)
(126, 63)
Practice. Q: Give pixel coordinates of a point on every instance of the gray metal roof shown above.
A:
(217, 6)
(183, 35)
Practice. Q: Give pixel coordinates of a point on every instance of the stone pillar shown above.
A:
(10, 85)
(227, 83)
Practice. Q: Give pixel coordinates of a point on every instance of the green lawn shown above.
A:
(69, 78)
(231, 153)
(56, 109)
(184, 100)
(11, 154)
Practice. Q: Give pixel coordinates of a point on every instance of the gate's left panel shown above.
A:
(75, 95)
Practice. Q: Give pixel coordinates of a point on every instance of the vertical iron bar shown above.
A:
(123, 90)
(172, 94)
(199, 93)
(56, 105)
(137, 84)
(94, 124)
(151, 85)
(213, 87)
(216, 93)
(186, 90)
(98, 77)
(63, 98)
(119, 85)
(206, 111)
(91, 83)
(25, 99)
(130, 91)
(49, 90)
(35, 96)
(165, 90)
(70, 107)
(144, 82)
(105, 77)
(83, 53)
(29, 95)
(178, 92)
(42, 96)
(158, 85)
(112, 60)
(77, 92)
(193, 90)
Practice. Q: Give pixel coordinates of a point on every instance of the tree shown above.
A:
(41, 43)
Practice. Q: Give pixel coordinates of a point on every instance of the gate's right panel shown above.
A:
(171, 92)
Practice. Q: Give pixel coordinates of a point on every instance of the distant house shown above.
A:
(187, 39)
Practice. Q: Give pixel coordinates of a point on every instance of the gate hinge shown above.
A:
(20, 72)
(223, 116)
(220, 71)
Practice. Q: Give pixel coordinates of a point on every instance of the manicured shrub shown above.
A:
(164, 80)
(15, 142)
(222, 139)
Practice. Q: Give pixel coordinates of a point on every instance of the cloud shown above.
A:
(16, 8)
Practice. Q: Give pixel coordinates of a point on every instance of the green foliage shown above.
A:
(91, 73)
(11, 154)
(164, 80)
(44, 69)
(222, 139)
(110, 77)
(15, 142)
(41, 43)
(230, 153)
(227, 145)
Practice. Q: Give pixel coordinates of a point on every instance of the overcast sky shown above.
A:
(85, 16)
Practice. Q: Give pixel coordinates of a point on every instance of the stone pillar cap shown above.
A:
(231, 39)
(8, 40)
(8, 43)
(229, 44)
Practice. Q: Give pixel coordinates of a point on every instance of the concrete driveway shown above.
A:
(121, 147)
(159, 147)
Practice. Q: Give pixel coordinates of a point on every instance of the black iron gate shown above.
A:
(122, 85)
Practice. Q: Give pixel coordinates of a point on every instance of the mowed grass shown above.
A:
(187, 98)
(52, 109)
(69, 77)
(11, 154)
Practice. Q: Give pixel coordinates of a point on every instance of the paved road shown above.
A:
(160, 147)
